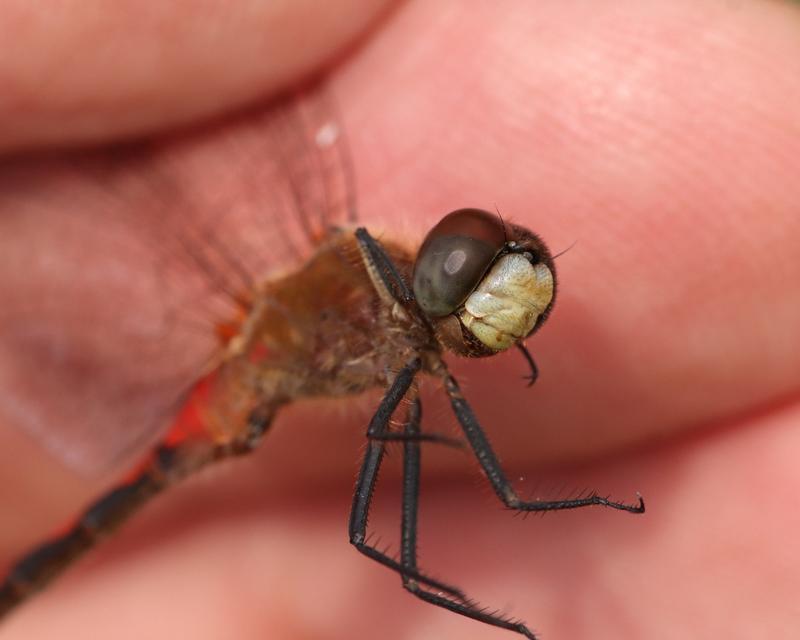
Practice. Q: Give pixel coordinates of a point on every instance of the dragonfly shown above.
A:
(330, 310)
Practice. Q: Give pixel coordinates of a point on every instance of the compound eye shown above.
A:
(455, 255)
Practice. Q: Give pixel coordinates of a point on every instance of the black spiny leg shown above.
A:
(494, 472)
(365, 485)
(408, 544)
(378, 263)
(534, 374)
(386, 279)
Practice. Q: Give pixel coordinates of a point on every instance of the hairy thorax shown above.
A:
(322, 330)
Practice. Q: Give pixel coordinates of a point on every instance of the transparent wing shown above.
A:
(122, 269)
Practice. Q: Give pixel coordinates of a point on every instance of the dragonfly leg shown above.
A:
(408, 544)
(368, 475)
(385, 277)
(494, 472)
(534, 370)
(166, 465)
(438, 438)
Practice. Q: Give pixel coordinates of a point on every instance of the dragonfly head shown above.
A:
(484, 284)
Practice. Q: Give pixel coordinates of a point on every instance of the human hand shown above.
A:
(663, 139)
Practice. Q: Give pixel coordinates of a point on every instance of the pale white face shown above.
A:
(505, 306)
(484, 284)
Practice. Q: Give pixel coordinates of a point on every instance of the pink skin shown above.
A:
(662, 137)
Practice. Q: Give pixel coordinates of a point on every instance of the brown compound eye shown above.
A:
(455, 255)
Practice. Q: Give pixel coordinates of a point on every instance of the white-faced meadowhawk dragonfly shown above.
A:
(328, 310)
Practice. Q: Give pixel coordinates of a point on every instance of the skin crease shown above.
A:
(662, 139)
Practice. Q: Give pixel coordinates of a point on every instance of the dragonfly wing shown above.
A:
(125, 268)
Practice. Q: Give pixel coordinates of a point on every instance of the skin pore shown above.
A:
(659, 137)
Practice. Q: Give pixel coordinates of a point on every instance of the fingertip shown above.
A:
(88, 72)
